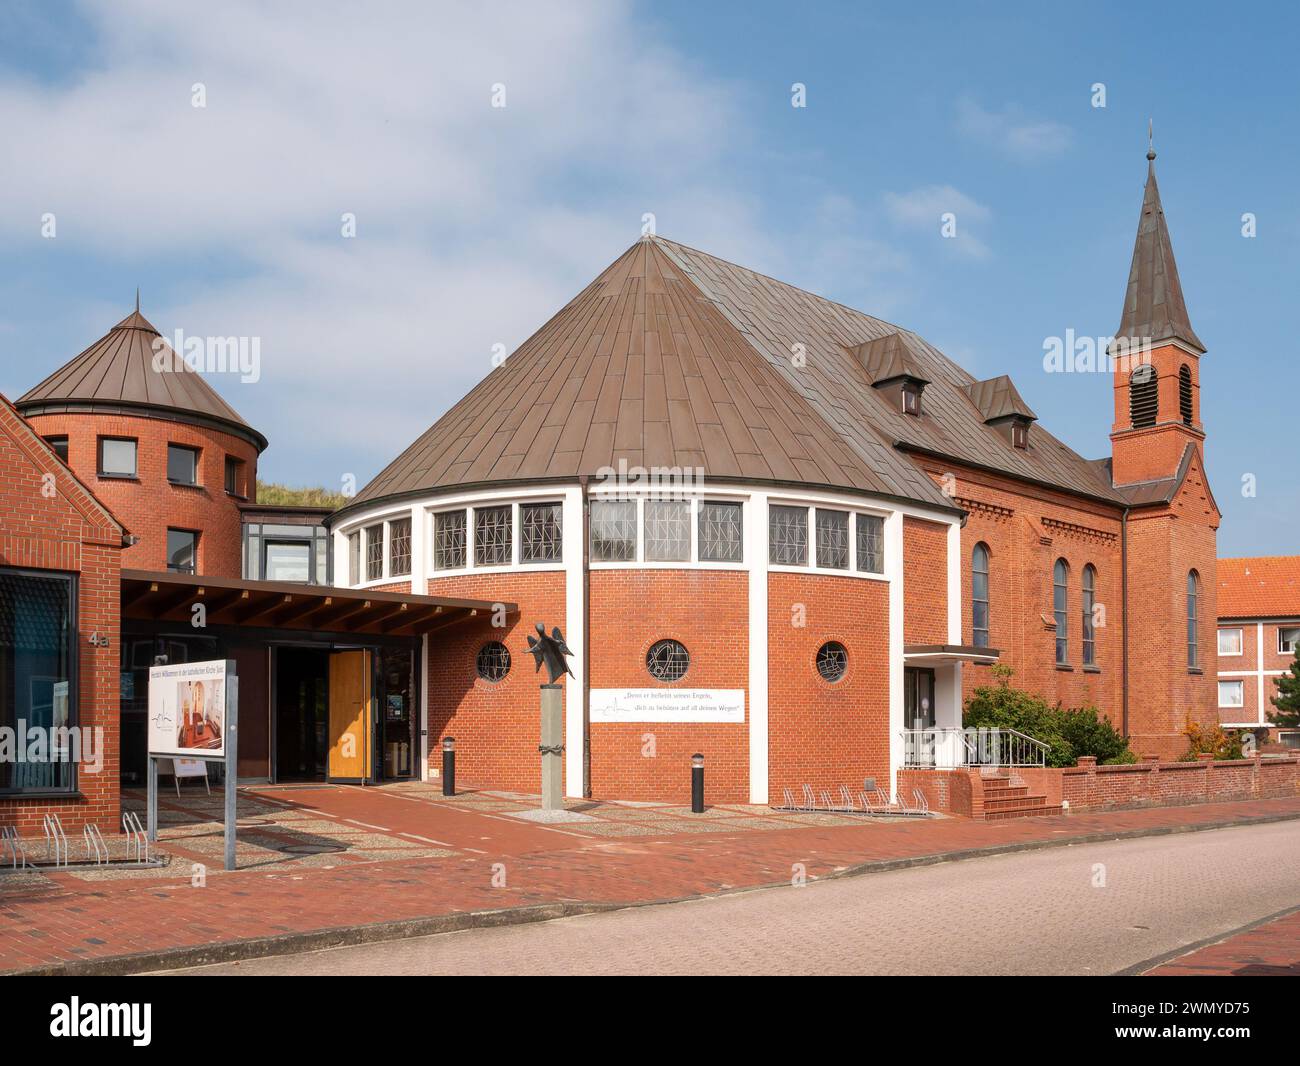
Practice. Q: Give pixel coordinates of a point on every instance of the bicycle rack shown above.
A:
(95, 845)
(13, 843)
(137, 840)
(55, 839)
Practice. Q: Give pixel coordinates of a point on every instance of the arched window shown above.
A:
(1089, 602)
(1142, 396)
(1193, 594)
(979, 584)
(1185, 394)
(1060, 608)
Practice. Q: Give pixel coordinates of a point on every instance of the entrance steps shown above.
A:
(1007, 796)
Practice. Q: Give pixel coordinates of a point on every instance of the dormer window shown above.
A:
(1019, 434)
(911, 392)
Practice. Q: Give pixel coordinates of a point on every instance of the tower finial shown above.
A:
(137, 299)
(1151, 141)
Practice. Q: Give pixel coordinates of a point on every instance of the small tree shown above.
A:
(1287, 700)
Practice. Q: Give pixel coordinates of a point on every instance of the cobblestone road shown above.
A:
(1086, 909)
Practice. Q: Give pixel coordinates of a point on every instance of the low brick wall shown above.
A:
(1154, 783)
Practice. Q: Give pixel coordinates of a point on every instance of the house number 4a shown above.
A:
(96, 641)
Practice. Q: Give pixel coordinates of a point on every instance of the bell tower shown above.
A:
(1157, 357)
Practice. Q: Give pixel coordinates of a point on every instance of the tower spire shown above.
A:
(1154, 309)
(137, 299)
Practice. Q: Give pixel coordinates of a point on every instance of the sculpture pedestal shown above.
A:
(553, 747)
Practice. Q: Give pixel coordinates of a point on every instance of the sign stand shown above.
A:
(230, 758)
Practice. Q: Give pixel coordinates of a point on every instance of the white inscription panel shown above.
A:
(667, 705)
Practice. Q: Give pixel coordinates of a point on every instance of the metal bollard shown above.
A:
(449, 766)
(697, 783)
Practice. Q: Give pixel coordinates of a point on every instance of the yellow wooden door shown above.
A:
(350, 715)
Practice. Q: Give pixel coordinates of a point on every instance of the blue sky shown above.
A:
(475, 224)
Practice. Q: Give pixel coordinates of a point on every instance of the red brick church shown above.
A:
(846, 531)
(775, 530)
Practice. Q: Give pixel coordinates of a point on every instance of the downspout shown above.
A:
(1123, 607)
(586, 638)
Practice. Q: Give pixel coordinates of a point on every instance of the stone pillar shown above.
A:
(552, 747)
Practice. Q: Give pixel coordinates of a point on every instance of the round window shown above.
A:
(832, 660)
(667, 660)
(493, 661)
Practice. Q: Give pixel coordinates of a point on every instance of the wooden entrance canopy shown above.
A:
(167, 597)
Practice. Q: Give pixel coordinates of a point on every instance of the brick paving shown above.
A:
(474, 855)
(1268, 950)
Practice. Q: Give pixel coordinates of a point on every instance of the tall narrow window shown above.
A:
(979, 583)
(1193, 594)
(1060, 608)
(1089, 602)
(1143, 397)
(1185, 394)
(374, 552)
(354, 558)
(182, 551)
(182, 465)
(399, 547)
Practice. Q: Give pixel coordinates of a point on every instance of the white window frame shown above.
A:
(1284, 650)
(827, 504)
(1241, 693)
(1241, 644)
(695, 499)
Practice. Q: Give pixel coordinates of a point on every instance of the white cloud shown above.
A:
(474, 224)
(1012, 132)
(954, 219)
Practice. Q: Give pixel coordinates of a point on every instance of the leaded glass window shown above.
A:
(449, 540)
(493, 537)
(1089, 602)
(832, 660)
(833, 539)
(493, 661)
(374, 552)
(979, 568)
(613, 531)
(399, 547)
(1060, 609)
(539, 532)
(720, 533)
(668, 531)
(787, 536)
(871, 543)
(667, 660)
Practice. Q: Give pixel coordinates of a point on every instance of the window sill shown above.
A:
(1195, 670)
(39, 793)
(237, 496)
(117, 477)
(1092, 669)
(1065, 668)
(184, 484)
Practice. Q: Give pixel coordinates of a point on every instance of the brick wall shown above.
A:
(821, 733)
(149, 504)
(925, 582)
(1153, 783)
(496, 725)
(708, 611)
(66, 532)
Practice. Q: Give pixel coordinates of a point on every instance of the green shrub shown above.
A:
(1068, 733)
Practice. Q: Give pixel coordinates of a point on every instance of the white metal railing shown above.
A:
(950, 748)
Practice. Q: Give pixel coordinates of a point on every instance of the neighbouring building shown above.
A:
(1259, 631)
(851, 530)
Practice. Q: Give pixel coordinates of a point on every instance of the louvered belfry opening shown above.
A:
(1185, 394)
(1143, 397)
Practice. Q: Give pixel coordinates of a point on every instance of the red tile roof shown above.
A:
(1264, 587)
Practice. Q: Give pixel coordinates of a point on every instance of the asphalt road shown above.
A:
(1084, 909)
